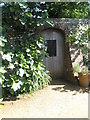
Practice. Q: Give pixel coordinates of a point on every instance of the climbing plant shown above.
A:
(68, 9)
(79, 38)
(22, 50)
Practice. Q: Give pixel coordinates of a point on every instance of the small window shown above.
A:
(51, 47)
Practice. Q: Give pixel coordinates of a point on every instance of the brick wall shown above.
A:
(76, 56)
(72, 55)
(69, 76)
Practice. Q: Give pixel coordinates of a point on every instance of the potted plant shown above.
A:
(76, 68)
(83, 76)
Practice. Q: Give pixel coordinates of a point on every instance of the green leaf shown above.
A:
(1, 99)
(12, 91)
(38, 51)
(23, 5)
(50, 22)
(3, 39)
(2, 106)
(22, 21)
(2, 44)
(12, 9)
(2, 70)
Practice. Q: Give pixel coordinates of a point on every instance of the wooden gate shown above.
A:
(55, 48)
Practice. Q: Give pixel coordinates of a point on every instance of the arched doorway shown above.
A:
(55, 48)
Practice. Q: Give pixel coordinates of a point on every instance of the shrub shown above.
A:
(23, 68)
(22, 49)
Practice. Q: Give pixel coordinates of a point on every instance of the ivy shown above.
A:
(79, 38)
(22, 51)
(24, 69)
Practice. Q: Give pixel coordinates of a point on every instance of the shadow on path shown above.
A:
(11, 98)
(65, 86)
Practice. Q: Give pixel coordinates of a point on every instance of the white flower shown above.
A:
(76, 42)
(7, 57)
(20, 82)
(21, 72)
(39, 73)
(2, 70)
(16, 86)
(27, 75)
(38, 24)
(4, 57)
(28, 50)
(11, 66)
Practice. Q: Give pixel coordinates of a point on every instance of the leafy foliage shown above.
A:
(76, 68)
(22, 56)
(24, 70)
(84, 70)
(81, 70)
(68, 9)
(79, 38)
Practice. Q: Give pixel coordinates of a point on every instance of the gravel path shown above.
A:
(55, 101)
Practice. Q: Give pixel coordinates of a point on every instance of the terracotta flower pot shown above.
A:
(83, 80)
(89, 76)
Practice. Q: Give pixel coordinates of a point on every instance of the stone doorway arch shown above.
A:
(66, 25)
(54, 39)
